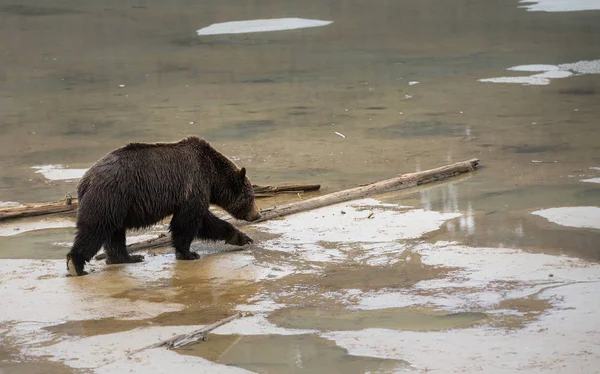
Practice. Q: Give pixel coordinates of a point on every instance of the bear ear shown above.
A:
(243, 173)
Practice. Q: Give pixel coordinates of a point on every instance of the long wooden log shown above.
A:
(69, 204)
(398, 183)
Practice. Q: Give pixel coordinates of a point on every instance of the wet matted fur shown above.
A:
(140, 184)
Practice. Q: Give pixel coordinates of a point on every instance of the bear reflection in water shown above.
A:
(138, 185)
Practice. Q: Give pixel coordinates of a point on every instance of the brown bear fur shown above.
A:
(140, 184)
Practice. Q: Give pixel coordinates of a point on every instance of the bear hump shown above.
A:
(188, 140)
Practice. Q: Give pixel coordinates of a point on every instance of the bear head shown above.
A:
(240, 202)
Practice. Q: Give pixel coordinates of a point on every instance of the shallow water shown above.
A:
(385, 88)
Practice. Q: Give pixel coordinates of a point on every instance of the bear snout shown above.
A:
(254, 214)
(254, 217)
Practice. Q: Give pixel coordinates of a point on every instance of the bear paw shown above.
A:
(75, 268)
(189, 255)
(75, 274)
(239, 238)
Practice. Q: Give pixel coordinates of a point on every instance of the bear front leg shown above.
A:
(215, 228)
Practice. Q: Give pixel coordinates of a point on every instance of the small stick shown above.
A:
(193, 337)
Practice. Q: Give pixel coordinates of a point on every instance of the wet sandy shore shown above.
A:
(330, 289)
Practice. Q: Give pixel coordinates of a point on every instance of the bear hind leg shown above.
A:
(116, 250)
(85, 246)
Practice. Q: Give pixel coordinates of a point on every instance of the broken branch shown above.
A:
(193, 337)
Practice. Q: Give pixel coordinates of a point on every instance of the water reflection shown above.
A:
(488, 220)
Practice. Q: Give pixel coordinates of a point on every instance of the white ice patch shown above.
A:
(365, 225)
(163, 361)
(15, 228)
(541, 79)
(243, 266)
(545, 73)
(535, 68)
(9, 204)
(481, 266)
(29, 286)
(346, 223)
(412, 83)
(591, 180)
(108, 353)
(564, 341)
(379, 254)
(484, 277)
(58, 172)
(580, 216)
(370, 202)
(257, 325)
(559, 5)
(583, 67)
(260, 25)
(260, 306)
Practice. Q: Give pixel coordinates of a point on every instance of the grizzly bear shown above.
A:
(140, 184)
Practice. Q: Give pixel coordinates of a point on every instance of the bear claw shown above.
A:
(187, 256)
(239, 238)
(74, 274)
(137, 258)
(130, 260)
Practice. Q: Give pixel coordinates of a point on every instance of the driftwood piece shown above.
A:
(69, 204)
(388, 185)
(193, 337)
(285, 188)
